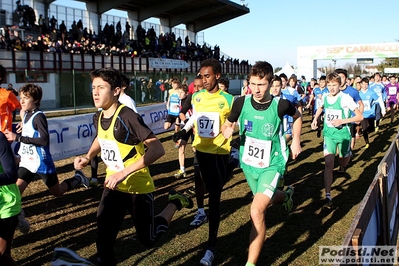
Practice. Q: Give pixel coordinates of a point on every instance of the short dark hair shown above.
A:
(125, 81)
(262, 69)
(342, 71)
(277, 78)
(225, 82)
(183, 87)
(322, 78)
(284, 76)
(365, 80)
(215, 64)
(108, 74)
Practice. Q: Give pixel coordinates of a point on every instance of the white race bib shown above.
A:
(174, 107)
(257, 152)
(332, 114)
(29, 157)
(111, 156)
(392, 90)
(208, 124)
(366, 104)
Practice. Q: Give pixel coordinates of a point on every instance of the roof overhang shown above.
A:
(197, 15)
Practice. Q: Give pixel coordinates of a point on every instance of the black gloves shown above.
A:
(178, 135)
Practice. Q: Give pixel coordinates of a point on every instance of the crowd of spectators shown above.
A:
(78, 39)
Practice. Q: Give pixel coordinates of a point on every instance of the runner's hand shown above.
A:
(228, 131)
(178, 135)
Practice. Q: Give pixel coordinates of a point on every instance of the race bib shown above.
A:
(208, 124)
(332, 114)
(29, 157)
(367, 106)
(392, 90)
(111, 156)
(257, 152)
(174, 108)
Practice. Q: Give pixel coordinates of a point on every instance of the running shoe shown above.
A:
(181, 173)
(191, 191)
(67, 257)
(207, 259)
(82, 179)
(23, 224)
(376, 129)
(280, 184)
(235, 157)
(199, 219)
(93, 182)
(328, 204)
(289, 203)
(366, 147)
(341, 169)
(180, 200)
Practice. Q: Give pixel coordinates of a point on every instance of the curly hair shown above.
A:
(216, 67)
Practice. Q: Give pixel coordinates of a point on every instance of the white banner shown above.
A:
(73, 135)
(167, 63)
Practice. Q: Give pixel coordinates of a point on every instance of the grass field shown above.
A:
(292, 239)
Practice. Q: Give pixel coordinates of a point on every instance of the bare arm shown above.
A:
(316, 116)
(296, 135)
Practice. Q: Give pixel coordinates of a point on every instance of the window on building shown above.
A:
(30, 77)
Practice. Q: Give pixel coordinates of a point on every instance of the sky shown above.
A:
(273, 30)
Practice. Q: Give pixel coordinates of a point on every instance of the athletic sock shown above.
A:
(249, 264)
(201, 210)
(182, 168)
(328, 196)
(286, 197)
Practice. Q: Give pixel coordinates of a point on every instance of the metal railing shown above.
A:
(59, 62)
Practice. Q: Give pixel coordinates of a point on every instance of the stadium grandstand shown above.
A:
(56, 46)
